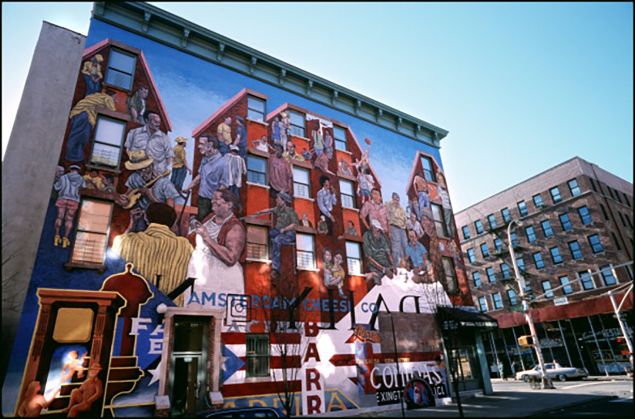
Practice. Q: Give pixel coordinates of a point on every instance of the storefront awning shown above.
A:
(454, 318)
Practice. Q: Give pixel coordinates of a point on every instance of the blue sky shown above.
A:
(520, 87)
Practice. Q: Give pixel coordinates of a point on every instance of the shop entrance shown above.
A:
(188, 377)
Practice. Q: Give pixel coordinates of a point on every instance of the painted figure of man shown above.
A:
(180, 167)
(398, 223)
(83, 118)
(148, 187)
(423, 197)
(445, 203)
(93, 76)
(334, 273)
(417, 254)
(72, 364)
(137, 104)
(290, 155)
(150, 141)
(344, 168)
(283, 233)
(326, 200)
(157, 251)
(374, 209)
(224, 135)
(365, 183)
(318, 140)
(305, 221)
(83, 397)
(280, 172)
(220, 248)
(212, 175)
(276, 130)
(34, 402)
(67, 187)
(241, 136)
(414, 225)
(377, 251)
(236, 168)
(285, 128)
(328, 144)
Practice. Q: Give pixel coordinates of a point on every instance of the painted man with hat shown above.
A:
(92, 74)
(283, 233)
(67, 187)
(236, 168)
(150, 141)
(161, 190)
(180, 168)
(377, 251)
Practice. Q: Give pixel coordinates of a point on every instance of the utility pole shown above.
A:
(546, 381)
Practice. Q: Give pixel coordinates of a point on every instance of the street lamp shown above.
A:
(546, 382)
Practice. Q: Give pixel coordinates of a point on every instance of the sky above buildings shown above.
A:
(520, 87)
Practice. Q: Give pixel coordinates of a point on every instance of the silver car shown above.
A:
(554, 371)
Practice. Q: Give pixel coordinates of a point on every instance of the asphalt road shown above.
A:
(620, 407)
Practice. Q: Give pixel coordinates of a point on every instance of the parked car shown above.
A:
(239, 413)
(554, 372)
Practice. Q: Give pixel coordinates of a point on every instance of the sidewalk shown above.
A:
(522, 403)
(622, 377)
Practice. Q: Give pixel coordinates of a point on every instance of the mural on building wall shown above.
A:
(257, 209)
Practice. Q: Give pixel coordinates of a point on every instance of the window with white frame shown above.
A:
(255, 108)
(305, 251)
(607, 275)
(301, 182)
(466, 232)
(476, 278)
(428, 169)
(478, 225)
(347, 193)
(573, 187)
(297, 123)
(339, 135)
(482, 303)
(555, 194)
(556, 258)
(491, 220)
(91, 238)
(484, 250)
(121, 69)
(507, 216)
(353, 258)
(491, 275)
(595, 243)
(565, 284)
(587, 280)
(576, 251)
(471, 256)
(256, 170)
(450, 274)
(257, 351)
(522, 208)
(531, 234)
(585, 215)
(546, 228)
(257, 243)
(108, 142)
(538, 200)
(546, 289)
(512, 297)
(498, 300)
(538, 260)
(439, 220)
(505, 271)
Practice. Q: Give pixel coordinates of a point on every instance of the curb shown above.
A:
(572, 404)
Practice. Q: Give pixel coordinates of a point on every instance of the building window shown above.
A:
(305, 244)
(257, 355)
(339, 135)
(617, 195)
(512, 297)
(617, 243)
(607, 275)
(621, 218)
(476, 277)
(498, 300)
(109, 136)
(484, 250)
(585, 215)
(505, 271)
(576, 252)
(450, 275)
(297, 123)
(498, 245)
(592, 185)
(478, 226)
(482, 302)
(428, 169)
(121, 69)
(257, 243)
(537, 201)
(555, 194)
(573, 187)
(531, 234)
(491, 275)
(587, 281)
(515, 242)
(606, 216)
(538, 260)
(466, 232)
(520, 262)
(471, 257)
(353, 258)
(565, 222)
(565, 284)
(257, 170)
(546, 228)
(556, 258)
(522, 208)
(594, 242)
(507, 216)
(301, 183)
(491, 220)
(255, 108)
(347, 193)
(546, 288)
(627, 200)
(91, 237)
(439, 220)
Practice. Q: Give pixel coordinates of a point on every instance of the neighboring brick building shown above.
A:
(577, 224)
